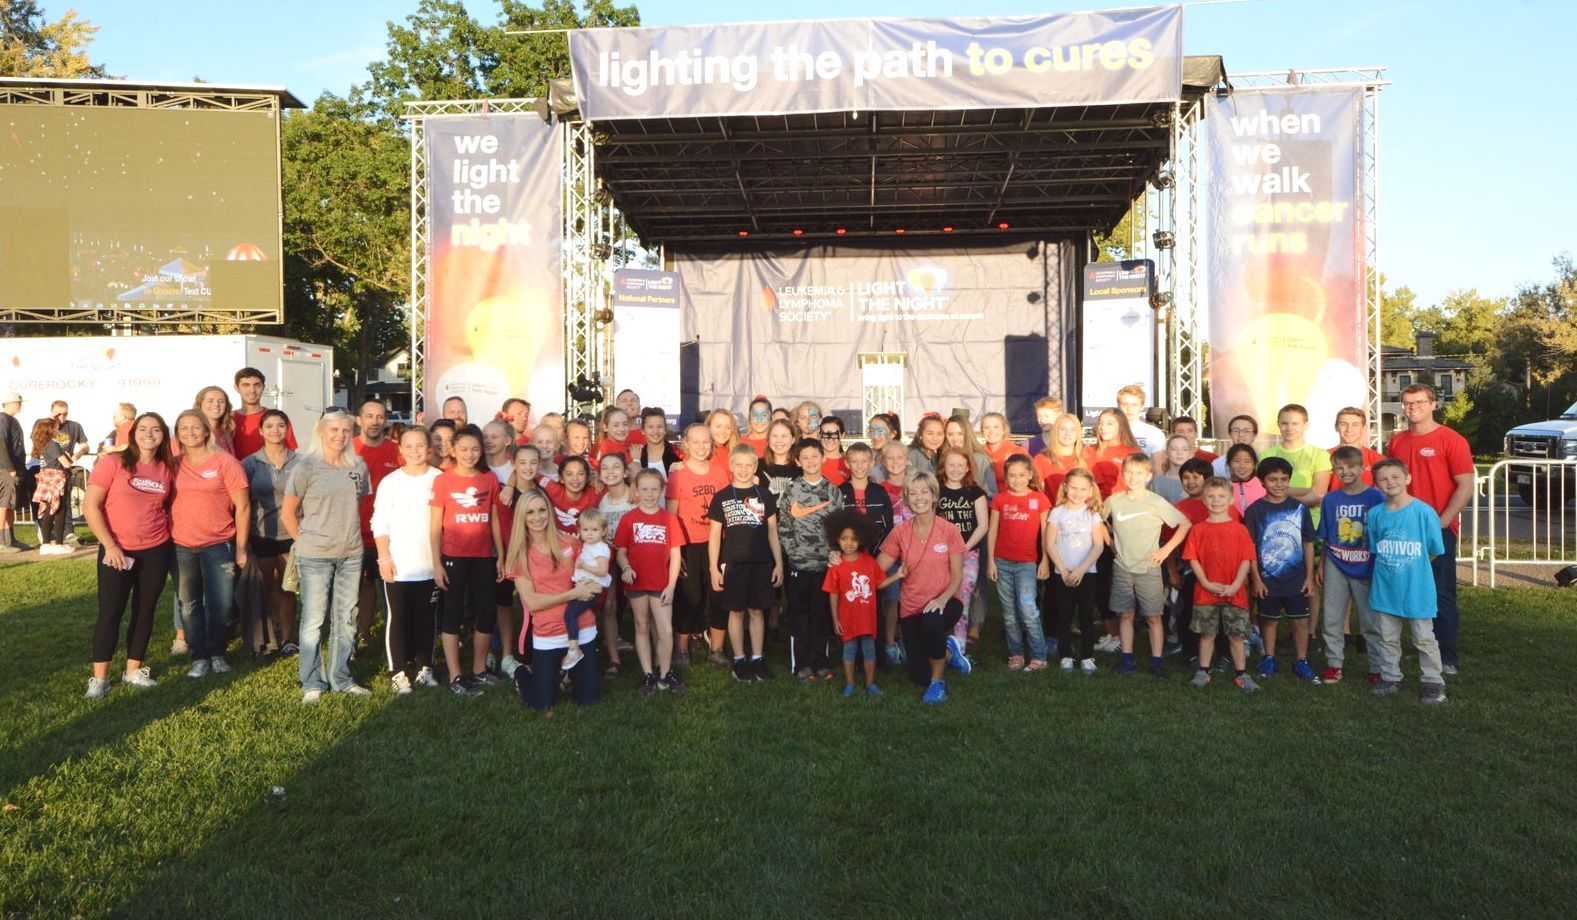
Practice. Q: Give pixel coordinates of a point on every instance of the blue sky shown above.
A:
(1478, 127)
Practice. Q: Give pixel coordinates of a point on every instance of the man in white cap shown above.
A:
(13, 460)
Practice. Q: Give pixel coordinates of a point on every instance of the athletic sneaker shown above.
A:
(1108, 644)
(1201, 679)
(199, 668)
(895, 654)
(1015, 662)
(1066, 665)
(425, 678)
(873, 690)
(460, 687)
(508, 666)
(1125, 667)
(356, 690)
(670, 683)
(760, 670)
(805, 673)
(1383, 687)
(1450, 670)
(400, 683)
(1331, 676)
(824, 674)
(1035, 664)
(142, 678)
(1304, 671)
(311, 697)
(1158, 670)
(572, 658)
(718, 657)
(743, 672)
(1171, 648)
(681, 661)
(289, 649)
(1267, 667)
(1254, 644)
(218, 665)
(488, 679)
(848, 690)
(956, 659)
(1245, 683)
(178, 647)
(648, 684)
(1088, 667)
(626, 645)
(1432, 694)
(935, 692)
(99, 687)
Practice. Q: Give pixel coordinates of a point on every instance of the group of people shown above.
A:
(529, 538)
(38, 464)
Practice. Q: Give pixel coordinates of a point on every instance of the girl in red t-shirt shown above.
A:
(466, 538)
(691, 485)
(615, 430)
(1064, 453)
(572, 494)
(852, 587)
(756, 422)
(210, 519)
(1113, 441)
(650, 542)
(1014, 559)
(996, 443)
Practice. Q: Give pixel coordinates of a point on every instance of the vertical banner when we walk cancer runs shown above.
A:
(1287, 273)
(495, 292)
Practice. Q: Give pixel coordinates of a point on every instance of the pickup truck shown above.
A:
(1555, 439)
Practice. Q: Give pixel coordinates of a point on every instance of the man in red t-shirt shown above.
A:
(1352, 429)
(382, 457)
(517, 412)
(1441, 464)
(248, 438)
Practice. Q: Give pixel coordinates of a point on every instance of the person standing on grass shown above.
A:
(851, 585)
(960, 437)
(127, 507)
(746, 561)
(1075, 535)
(1062, 454)
(778, 465)
(382, 457)
(573, 494)
(630, 402)
(756, 422)
(248, 419)
(51, 485)
(698, 611)
(1311, 464)
(594, 564)
(616, 499)
(1221, 553)
(213, 404)
(964, 504)
(929, 436)
(930, 552)
(1405, 537)
(541, 560)
(649, 541)
(267, 470)
(517, 412)
(1348, 566)
(805, 504)
(1242, 464)
(454, 409)
(614, 431)
(652, 451)
(211, 520)
(1188, 428)
(1137, 517)
(1015, 560)
(1283, 574)
(1047, 410)
(320, 512)
(1440, 463)
(464, 530)
(998, 446)
(880, 430)
(400, 522)
(1131, 403)
(13, 462)
(1352, 430)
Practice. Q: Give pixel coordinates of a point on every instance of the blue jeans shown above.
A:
(204, 588)
(1446, 616)
(1016, 589)
(539, 684)
(329, 590)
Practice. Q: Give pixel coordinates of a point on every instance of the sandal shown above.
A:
(611, 671)
(1015, 662)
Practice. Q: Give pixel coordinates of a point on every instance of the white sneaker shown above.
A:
(219, 665)
(310, 697)
(1108, 644)
(400, 683)
(572, 658)
(425, 678)
(178, 647)
(142, 677)
(199, 668)
(98, 688)
(1065, 665)
(1088, 665)
(356, 690)
(508, 666)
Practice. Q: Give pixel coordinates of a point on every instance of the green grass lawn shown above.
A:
(1024, 795)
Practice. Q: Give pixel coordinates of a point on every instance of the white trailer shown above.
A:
(160, 373)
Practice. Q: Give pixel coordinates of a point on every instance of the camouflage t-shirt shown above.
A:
(802, 508)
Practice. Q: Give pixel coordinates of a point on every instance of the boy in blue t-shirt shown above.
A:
(1283, 573)
(1404, 536)
(1348, 565)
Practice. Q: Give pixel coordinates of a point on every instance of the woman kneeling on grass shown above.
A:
(127, 509)
(932, 554)
(542, 563)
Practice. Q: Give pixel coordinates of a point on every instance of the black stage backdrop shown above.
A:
(981, 324)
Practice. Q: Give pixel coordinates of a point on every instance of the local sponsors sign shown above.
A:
(1095, 58)
(1117, 335)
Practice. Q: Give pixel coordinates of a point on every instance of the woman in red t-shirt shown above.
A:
(691, 485)
(465, 536)
(127, 506)
(542, 563)
(932, 554)
(214, 405)
(210, 519)
(572, 494)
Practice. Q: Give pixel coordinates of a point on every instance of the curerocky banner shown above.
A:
(980, 324)
(1286, 264)
(773, 68)
(495, 324)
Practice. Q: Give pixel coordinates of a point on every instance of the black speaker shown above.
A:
(1026, 367)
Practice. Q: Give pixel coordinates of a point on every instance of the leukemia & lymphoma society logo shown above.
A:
(920, 294)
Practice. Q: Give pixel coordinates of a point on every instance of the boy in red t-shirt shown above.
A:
(1221, 552)
(852, 585)
(1352, 429)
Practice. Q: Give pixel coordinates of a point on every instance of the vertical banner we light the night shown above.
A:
(1286, 250)
(495, 324)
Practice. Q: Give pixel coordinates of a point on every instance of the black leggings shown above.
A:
(143, 585)
(52, 526)
(693, 594)
(408, 638)
(1082, 598)
(470, 591)
(925, 639)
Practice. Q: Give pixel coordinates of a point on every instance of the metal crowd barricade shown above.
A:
(1538, 531)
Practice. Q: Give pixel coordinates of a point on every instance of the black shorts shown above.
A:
(748, 586)
(470, 594)
(268, 548)
(1292, 607)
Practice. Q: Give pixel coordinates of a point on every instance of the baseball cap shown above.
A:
(11, 397)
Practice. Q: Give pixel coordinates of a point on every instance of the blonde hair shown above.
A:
(315, 443)
(1094, 504)
(1050, 449)
(927, 480)
(733, 429)
(519, 548)
(225, 426)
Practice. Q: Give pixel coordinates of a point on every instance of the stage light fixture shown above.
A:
(841, 231)
(798, 232)
(744, 233)
(602, 317)
(1163, 179)
(602, 252)
(1160, 300)
(1164, 239)
(899, 231)
(947, 228)
(1002, 226)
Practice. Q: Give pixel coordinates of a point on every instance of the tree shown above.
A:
(32, 47)
(1126, 239)
(1397, 309)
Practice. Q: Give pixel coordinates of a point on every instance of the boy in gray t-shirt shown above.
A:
(1137, 516)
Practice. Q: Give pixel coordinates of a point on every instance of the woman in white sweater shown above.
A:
(400, 520)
